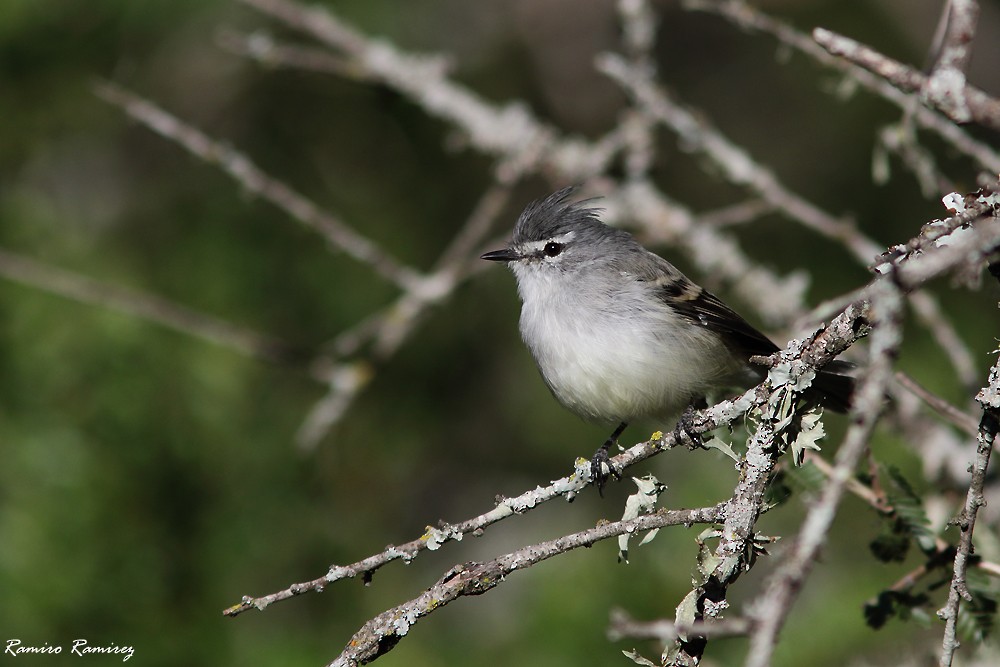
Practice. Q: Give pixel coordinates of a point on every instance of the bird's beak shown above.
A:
(504, 255)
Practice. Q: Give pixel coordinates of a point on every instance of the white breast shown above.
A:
(616, 356)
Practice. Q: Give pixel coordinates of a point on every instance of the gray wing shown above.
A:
(701, 307)
(830, 388)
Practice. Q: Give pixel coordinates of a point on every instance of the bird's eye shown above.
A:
(552, 248)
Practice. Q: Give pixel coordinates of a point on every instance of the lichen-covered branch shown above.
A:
(771, 610)
(989, 428)
(975, 104)
(751, 19)
(382, 633)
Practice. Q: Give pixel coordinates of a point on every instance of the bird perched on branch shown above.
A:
(618, 333)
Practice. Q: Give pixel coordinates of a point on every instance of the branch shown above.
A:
(388, 329)
(270, 53)
(145, 306)
(567, 487)
(774, 605)
(978, 106)
(953, 414)
(513, 134)
(751, 19)
(623, 626)
(842, 332)
(241, 169)
(702, 421)
(505, 131)
(379, 635)
(945, 88)
(989, 399)
(741, 169)
(738, 542)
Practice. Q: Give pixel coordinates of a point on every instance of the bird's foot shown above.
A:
(601, 468)
(685, 431)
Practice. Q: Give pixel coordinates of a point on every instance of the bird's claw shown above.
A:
(685, 430)
(601, 468)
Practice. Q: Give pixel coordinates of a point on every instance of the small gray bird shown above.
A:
(618, 333)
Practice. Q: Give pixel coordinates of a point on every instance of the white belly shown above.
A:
(622, 361)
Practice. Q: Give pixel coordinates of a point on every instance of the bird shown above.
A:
(618, 333)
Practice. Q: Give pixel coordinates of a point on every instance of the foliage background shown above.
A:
(150, 479)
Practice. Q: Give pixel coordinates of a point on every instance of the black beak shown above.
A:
(505, 255)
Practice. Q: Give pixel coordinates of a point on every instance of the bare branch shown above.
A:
(379, 635)
(737, 214)
(253, 179)
(388, 329)
(623, 626)
(750, 18)
(262, 48)
(989, 399)
(953, 414)
(945, 88)
(146, 306)
(735, 164)
(509, 131)
(982, 108)
(741, 169)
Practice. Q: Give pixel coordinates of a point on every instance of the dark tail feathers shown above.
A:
(831, 389)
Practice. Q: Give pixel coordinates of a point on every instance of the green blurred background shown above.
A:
(149, 479)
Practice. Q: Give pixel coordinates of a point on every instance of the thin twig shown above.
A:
(253, 179)
(623, 626)
(989, 399)
(638, 37)
(737, 214)
(981, 107)
(855, 486)
(741, 169)
(381, 634)
(387, 330)
(750, 18)
(950, 412)
(146, 306)
(270, 53)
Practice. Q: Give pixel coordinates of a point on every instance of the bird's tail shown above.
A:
(831, 388)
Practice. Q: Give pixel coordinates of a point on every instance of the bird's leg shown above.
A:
(684, 430)
(600, 464)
